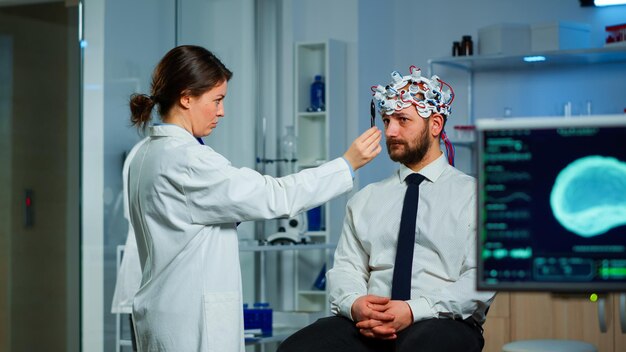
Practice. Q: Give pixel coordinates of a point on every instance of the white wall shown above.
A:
(316, 21)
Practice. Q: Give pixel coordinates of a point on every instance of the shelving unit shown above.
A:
(484, 63)
(320, 137)
(478, 63)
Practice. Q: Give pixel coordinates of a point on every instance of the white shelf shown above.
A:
(285, 247)
(313, 114)
(276, 337)
(463, 143)
(481, 63)
(312, 293)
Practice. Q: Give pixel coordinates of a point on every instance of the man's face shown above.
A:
(406, 136)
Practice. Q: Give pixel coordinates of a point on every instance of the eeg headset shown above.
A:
(427, 95)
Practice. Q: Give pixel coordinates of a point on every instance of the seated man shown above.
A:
(404, 274)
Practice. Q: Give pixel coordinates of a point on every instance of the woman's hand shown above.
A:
(364, 148)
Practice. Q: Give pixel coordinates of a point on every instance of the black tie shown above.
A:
(402, 270)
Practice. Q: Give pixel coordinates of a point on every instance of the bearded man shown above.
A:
(404, 273)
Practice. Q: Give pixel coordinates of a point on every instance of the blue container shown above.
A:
(318, 101)
(259, 317)
(314, 219)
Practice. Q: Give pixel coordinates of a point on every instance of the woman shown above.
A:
(185, 201)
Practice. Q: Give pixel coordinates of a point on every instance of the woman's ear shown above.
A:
(185, 100)
(436, 125)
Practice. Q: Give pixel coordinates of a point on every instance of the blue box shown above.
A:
(314, 219)
(259, 317)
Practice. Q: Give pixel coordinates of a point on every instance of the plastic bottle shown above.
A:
(318, 101)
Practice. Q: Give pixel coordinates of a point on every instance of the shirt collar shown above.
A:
(171, 130)
(431, 171)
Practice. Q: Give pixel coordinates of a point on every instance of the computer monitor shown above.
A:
(552, 204)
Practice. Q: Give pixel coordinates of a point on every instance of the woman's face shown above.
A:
(206, 109)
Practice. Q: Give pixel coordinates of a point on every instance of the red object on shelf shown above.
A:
(615, 27)
(617, 33)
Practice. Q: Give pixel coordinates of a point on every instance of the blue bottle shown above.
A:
(317, 95)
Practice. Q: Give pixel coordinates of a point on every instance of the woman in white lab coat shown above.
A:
(186, 200)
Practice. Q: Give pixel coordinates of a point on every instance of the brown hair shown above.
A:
(186, 69)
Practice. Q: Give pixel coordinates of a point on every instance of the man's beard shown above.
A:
(409, 155)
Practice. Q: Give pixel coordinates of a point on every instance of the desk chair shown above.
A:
(549, 346)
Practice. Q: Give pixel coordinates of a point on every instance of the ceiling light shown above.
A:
(601, 3)
(536, 58)
(609, 2)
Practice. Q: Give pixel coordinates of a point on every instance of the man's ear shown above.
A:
(436, 124)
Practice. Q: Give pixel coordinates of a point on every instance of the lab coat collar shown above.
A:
(171, 130)
(431, 171)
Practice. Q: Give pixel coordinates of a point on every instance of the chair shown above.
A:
(549, 346)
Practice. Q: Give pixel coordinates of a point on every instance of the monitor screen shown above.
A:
(552, 204)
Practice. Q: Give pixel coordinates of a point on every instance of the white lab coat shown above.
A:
(185, 200)
(129, 274)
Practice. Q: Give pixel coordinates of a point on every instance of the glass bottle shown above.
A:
(456, 48)
(467, 46)
(288, 148)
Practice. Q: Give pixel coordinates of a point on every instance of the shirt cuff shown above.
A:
(349, 167)
(346, 306)
(421, 309)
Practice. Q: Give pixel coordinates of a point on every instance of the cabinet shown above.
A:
(539, 315)
(497, 327)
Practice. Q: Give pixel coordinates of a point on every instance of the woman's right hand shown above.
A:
(364, 148)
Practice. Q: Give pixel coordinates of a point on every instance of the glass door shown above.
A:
(122, 43)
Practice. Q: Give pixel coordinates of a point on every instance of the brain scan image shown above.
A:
(589, 195)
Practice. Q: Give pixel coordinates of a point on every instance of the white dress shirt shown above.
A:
(185, 200)
(444, 264)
